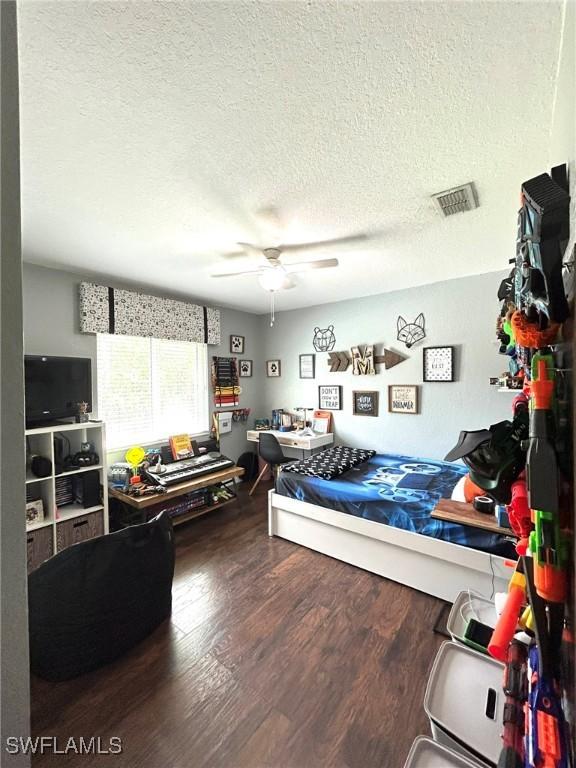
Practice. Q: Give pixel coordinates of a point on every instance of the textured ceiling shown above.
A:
(152, 133)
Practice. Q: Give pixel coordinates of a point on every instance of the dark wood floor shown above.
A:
(275, 656)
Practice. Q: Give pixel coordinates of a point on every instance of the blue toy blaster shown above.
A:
(546, 732)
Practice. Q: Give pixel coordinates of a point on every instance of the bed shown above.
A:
(377, 516)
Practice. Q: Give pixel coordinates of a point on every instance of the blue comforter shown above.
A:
(395, 490)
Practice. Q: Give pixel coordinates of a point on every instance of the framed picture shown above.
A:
(273, 368)
(330, 397)
(365, 403)
(321, 422)
(438, 364)
(320, 426)
(245, 367)
(237, 344)
(307, 366)
(403, 398)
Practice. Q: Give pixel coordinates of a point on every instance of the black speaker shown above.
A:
(166, 453)
(41, 467)
(58, 454)
(86, 488)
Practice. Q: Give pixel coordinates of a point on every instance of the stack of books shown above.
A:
(225, 381)
(64, 494)
(184, 504)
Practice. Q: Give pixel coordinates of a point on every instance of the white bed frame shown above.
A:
(430, 565)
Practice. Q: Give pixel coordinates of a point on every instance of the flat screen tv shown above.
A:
(55, 386)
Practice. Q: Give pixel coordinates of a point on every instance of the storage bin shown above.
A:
(426, 753)
(77, 529)
(464, 702)
(39, 546)
(469, 605)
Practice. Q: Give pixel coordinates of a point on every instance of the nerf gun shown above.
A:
(519, 514)
(516, 689)
(547, 543)
(546, 732)
(543, 231)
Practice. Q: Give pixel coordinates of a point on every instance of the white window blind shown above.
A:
(149, 389)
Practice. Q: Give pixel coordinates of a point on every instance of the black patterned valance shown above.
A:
(112, 310)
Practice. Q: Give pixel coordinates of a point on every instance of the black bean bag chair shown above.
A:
(95, 600)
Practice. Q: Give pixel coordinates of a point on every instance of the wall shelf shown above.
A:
(68, 472)
(30, 478)
(70, 511)
(35, 526)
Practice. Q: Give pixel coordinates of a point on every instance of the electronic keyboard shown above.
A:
(190, 469)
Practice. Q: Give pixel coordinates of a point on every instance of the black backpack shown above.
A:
(249, 463)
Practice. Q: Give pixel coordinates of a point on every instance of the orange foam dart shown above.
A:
(542, 388)
(508, 619)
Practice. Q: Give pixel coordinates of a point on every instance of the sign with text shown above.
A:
(403, 398)
(330, 397)
(365, 403)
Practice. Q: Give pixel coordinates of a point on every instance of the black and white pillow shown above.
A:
(331, 463)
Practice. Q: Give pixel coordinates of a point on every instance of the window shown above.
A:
(149, 389)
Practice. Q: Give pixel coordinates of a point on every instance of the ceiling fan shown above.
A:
(274, 275)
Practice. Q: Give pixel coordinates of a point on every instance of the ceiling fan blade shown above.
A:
(324, 243)
(234, 255)
(306, 266)
(238, 274)
(251, 248)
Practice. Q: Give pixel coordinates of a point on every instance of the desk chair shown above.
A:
(271, 452)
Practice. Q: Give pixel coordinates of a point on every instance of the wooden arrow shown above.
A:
(389, 359)
(341, 361)
(338, 361)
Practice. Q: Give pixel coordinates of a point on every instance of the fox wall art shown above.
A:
(410, 333)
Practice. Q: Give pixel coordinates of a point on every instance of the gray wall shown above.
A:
(14, 679)
(461, 313)
(249, 326)
(51, 327)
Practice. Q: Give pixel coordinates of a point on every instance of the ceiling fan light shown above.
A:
(274, 280)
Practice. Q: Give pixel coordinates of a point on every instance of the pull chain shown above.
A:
(272, 318)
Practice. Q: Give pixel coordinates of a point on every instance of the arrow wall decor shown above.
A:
(341, 361)
(389, 358)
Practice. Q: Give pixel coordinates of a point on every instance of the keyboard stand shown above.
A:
(142, 504)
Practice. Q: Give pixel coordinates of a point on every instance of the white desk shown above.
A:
(292, 440)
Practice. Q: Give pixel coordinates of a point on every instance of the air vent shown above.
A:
(457, 200)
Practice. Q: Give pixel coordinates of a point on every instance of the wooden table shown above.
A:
(142, 503)
(465, 514)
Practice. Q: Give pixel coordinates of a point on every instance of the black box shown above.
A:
(86, 488)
